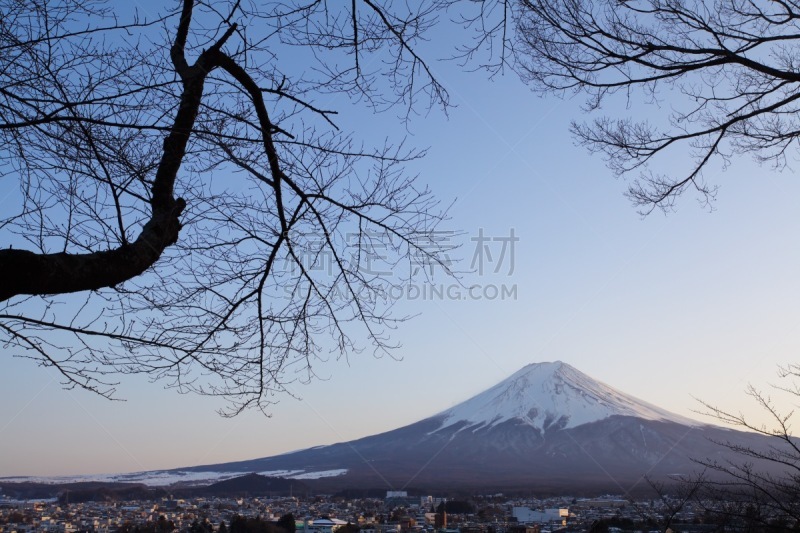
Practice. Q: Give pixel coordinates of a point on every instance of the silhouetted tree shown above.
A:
(662, 512)
(130, 527)
(201, 527)
(188, 206)
(287, 522)
(349, 528)
(238, 524)
(163, 525)
(599, 526)
(456, 507)
(764, 487)
(758, 493)
(728, 69)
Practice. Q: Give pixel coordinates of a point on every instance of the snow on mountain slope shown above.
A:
(163, 478)
(551, 396)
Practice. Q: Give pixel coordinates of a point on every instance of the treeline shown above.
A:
(456, 507)
(238, 524)
(81, 491)
(101, 491)
(111, 494)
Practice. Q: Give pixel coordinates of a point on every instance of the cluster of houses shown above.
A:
(397, 513)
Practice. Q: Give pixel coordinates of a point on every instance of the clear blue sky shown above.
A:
(667, 308)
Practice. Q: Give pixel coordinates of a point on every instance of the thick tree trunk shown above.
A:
(24, 272)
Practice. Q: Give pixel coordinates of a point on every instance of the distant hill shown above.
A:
(80, 491)
(252, 485)
(247, 485)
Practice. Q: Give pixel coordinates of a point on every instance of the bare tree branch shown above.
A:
(729, 68)
(188, 210)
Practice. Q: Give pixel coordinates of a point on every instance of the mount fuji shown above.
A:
(550, 396)
(548, 427)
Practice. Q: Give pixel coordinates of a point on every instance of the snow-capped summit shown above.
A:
(551, 396)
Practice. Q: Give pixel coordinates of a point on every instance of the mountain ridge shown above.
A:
(583, 434)
(546, 427)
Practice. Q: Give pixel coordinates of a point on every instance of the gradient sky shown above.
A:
(694, 304)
